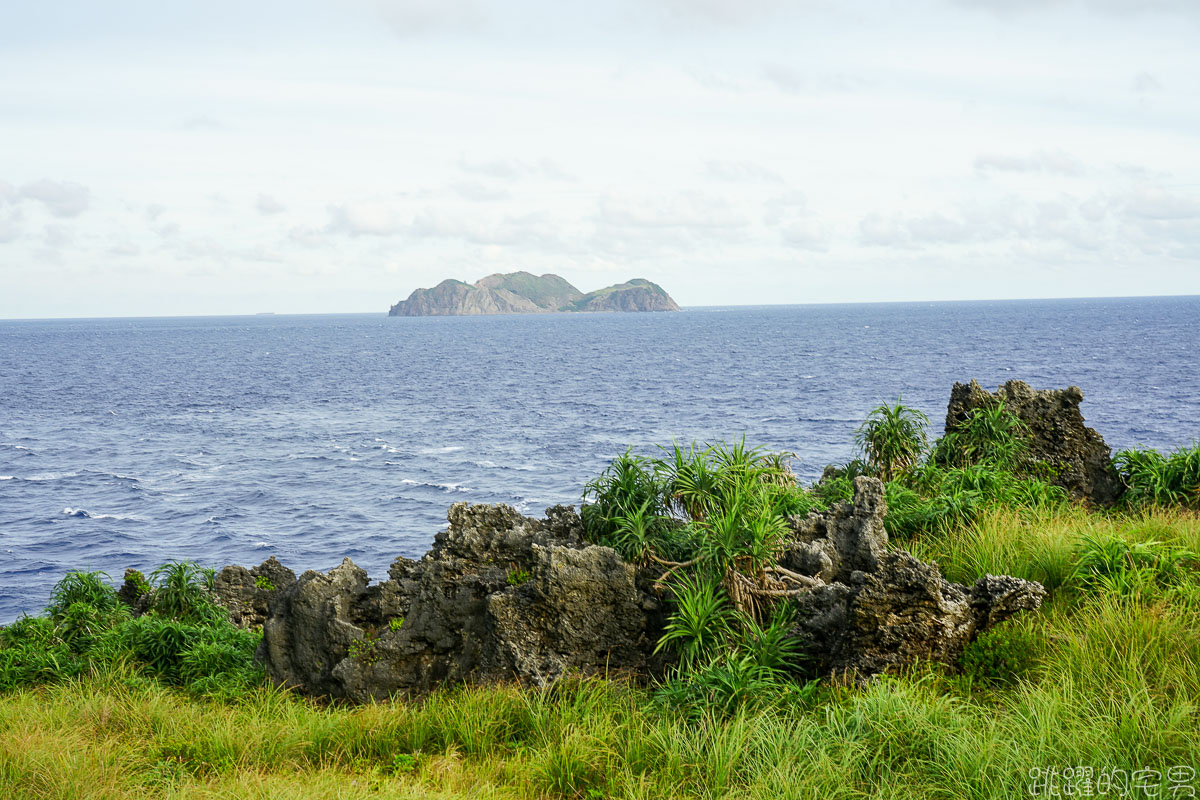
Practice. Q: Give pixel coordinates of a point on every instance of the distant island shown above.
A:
(525, 293)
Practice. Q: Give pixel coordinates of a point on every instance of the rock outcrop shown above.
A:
(500, 597)
(452, 298)
(247, 593)
(549, 292)
(525, 293)
(636, 295)
(879, 610)
(1076, 457)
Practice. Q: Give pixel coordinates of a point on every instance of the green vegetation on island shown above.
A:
(525, 293)
(1105, 677)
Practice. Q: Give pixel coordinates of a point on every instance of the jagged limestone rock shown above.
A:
(499, 598)
(246, 593)
(1076, 456)
(878, 609)
(502, 597)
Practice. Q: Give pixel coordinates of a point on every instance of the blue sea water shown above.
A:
(127, 442)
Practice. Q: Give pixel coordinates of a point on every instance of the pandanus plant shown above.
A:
(892, 439)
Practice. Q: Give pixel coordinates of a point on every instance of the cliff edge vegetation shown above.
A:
(526, 293)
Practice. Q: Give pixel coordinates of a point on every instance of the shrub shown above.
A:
(182, 591)
(990, 435)
(1000, 657)
(88, 629)
(1154, 479)
(88, 588)
(1140, 569)
(892, 438)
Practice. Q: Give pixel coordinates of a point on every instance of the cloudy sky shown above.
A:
(301, 156)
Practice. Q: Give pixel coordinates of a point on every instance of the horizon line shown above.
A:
(682, 308)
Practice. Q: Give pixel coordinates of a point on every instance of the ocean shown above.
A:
(128, 442)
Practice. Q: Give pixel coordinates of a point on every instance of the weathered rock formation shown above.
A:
(878, 609)
(500, 597)
(247, 593)
(1076, 456)
(525, 293)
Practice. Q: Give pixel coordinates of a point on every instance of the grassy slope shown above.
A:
(1117, 686)
(547, 291)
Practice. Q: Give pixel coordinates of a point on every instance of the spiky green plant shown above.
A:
(990, 435)
(89, 588)
(892, 438)
(1154, 479)
(182, 591)
(702, 620)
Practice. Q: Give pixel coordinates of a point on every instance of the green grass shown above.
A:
(1111, 680)
(95, 703)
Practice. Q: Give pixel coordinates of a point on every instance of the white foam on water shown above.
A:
(51, 476)
(6, 477)
(445, 487)
(429, 451)
(84, 514)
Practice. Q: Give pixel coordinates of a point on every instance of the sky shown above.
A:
(323, 157)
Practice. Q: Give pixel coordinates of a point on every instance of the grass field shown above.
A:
(1105, 677)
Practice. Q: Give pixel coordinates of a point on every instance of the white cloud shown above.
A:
(875, 229)
(366, 218)
(413, 17)
(61, 198)
(722, 12)
(741, 171)
(1055, 162)
(10, 230)
(268, 205)
(1118, 8)
(202, 122)
(1156, 202)
(785, 78)
(308, 237)
(512, 169)
(124, 249)
(478, 192)
(56, 236)
(806, 234)
(687, 210)
(1144, 83)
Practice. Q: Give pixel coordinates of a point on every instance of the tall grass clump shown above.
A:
(1154, 479)
(184, 639)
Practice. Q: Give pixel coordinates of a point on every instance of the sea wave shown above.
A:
(85, 514)
(444, 487)
(51, 476)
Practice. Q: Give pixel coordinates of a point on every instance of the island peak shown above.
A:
(525, 293)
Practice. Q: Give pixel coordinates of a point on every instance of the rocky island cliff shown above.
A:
(525, 293)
